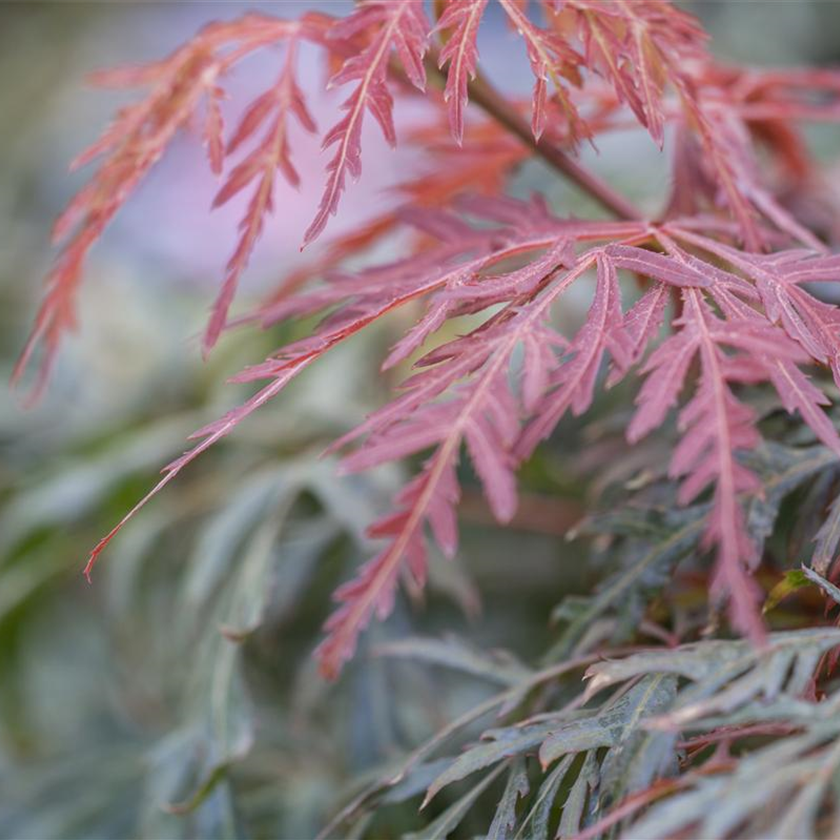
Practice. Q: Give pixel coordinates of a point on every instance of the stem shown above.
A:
(483, 94)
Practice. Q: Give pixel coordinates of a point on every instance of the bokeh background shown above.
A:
(122, 701)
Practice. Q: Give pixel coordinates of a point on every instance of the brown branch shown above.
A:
(483, 94)
(537, 514)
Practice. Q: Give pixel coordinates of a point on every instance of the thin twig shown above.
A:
(483, 94)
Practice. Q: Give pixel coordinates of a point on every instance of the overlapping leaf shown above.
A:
(134, 143)
(784, 788)
(463, 393)
(739, 318)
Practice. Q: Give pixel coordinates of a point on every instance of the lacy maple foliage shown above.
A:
(724, 269)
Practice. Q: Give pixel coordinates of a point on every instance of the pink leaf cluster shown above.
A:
(724, 271)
